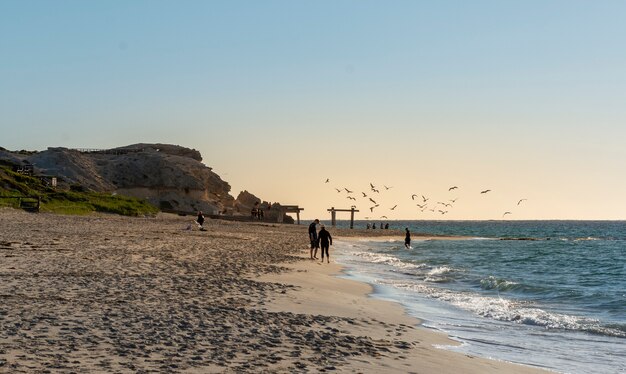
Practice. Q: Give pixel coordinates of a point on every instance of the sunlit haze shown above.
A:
(525, 99)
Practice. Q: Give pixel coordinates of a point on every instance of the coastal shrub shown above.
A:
(74, 201)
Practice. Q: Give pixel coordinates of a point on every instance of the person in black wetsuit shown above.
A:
(407, 239)
(325, 241)
(313, 238)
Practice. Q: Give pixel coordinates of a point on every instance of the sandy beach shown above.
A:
(104, 293)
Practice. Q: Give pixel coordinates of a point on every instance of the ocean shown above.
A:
(550, 294)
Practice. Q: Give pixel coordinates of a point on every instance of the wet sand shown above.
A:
(103, 293)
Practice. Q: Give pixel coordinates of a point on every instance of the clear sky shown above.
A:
(526, 98)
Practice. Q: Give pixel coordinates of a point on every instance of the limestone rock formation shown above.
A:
(168, 176)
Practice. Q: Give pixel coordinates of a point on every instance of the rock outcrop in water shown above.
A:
(168, 176)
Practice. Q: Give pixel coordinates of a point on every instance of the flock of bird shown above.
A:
(441, 207)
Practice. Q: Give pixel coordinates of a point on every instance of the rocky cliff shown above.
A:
(168, 176)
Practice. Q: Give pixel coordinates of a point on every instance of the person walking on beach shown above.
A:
(200, 220)
(325, 241)
(313, 238)
(407, 239)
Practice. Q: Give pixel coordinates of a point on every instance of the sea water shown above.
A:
(550, 294)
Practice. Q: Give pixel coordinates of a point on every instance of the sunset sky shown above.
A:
(525, 98)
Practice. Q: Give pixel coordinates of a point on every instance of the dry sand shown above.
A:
(104, 293)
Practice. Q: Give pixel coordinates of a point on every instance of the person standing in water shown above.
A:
(313, 238)
(325, 242)
(407, 239)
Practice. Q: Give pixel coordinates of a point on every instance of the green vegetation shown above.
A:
(74, 201)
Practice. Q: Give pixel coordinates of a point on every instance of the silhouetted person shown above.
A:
(325, 242)
(313, 237)
(200, 220)
(407, 239)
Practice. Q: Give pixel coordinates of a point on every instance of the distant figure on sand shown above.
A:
(325, 241)
(313, 238)
(200, 220)
(407, 239)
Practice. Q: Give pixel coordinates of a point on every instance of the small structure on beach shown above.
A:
(333, 215)
(289, 209)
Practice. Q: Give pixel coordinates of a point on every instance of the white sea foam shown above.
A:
(438, 274)
(381, 258)
(502, 309)
(493, 283)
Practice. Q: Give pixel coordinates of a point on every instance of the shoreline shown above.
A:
(321, 289)
(106, 293)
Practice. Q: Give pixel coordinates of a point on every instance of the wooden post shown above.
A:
(351, 218)
(281, 214)
(298, 216)
(333, 215)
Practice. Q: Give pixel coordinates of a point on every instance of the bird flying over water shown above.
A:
(484, 191)
(421, 206)
(424, 198)
(386, 188)
(372, 186)
(364, 195)
(351, 198)
(505, 213)
(383, 216)
(347, 190)
(372, 209)
(519, 202)
(327, 180)
(372, 200)
(454, 200)
(338, 190)
(394, 207)
(452, 188)
(413, 196)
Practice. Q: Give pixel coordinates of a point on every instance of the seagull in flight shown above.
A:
(386, 188)
(375, 190)
(383, 216)
(347, 190)
(519, 202)
(394, 207)
(372, 209)
(364, 195)
(413, 196)
(351, 198)
(505, 213)
(424, 198)
(338, 190)
(327, 180)
(454, 200)
(452, 188)
(371, 185)
(421, 206)
(484, 191)
(372, 200)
